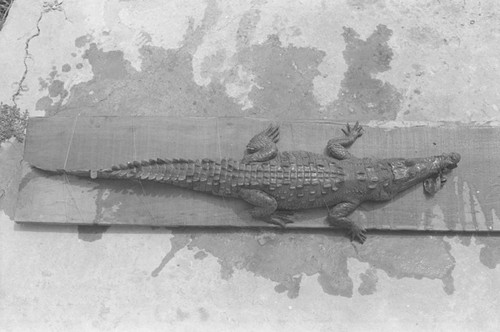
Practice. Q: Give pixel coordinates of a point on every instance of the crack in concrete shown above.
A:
(48, 6)
(26, 56)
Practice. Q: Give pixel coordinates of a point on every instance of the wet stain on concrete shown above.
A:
(361, 95)
(200, 255)
(283, 77)
(164, 85)
(490, 253)
(282, 257)
(286, 257)
(415, 257)
(56, 88)
(91, 233)
(291, 285)
(43, 84)
(369, 280)
(177, 243)
(56, 93)
(106, 65)
(43, 103)
(82, 41)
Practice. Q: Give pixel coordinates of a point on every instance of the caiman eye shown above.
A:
(251, 149)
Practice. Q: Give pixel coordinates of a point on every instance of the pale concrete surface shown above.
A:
(382, 62)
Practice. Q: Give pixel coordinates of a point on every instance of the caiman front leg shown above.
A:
(337, 217)
(265, 207)
(337, 147)
(262, 147)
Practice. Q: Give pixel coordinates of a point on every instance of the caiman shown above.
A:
(273, 181)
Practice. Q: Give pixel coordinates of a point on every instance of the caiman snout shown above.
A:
(451, 160)
(408, 172)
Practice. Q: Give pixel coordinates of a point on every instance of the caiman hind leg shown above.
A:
(265, 207)
(337, 147)
(337, 217)
(262, 147)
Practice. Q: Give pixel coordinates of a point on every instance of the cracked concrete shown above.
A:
(389, 64)
(27, 54)
(47, 6)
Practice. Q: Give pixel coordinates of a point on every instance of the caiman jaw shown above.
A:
(408, 172)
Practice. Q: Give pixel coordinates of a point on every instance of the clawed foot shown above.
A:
(279, 219)
(270, 135)
(262, 147)
(358, 233)
(353, 132)
(284, 212)
(434, 184)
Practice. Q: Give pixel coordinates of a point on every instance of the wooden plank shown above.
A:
(469, 201)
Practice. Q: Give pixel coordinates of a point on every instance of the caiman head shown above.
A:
(430, 171)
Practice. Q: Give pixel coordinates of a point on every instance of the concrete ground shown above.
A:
(380, 62)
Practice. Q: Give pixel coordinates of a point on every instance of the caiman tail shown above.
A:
(430, 170)
(201, 175)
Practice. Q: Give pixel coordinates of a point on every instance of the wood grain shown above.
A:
(469, 201)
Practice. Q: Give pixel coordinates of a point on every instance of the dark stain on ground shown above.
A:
(43, 103)
(43, 84)
(164, 85)
(56, 91)
(361, 95)
(177, 243)
(415, 257)
(284, 77)
(82, 41)
(91, 233)
(291, 285)
(286, 257)
(56, 88)
(200, 255)
(490, 253)
(106, 65)
(369, 280)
